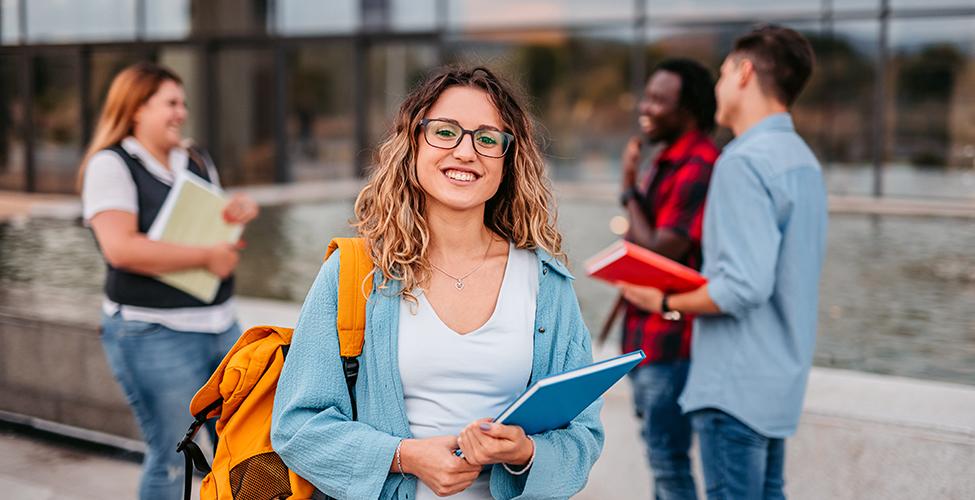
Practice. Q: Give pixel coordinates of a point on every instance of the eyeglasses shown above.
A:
(488, 142)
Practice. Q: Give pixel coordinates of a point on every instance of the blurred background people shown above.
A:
(162, 344)
(764, 242)
(665, 207)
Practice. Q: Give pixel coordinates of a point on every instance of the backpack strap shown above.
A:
(355, 268)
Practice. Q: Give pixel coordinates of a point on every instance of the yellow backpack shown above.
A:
(240, 394)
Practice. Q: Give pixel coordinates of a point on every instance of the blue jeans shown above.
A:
(739, 463)
(666, 431)
(160, 370)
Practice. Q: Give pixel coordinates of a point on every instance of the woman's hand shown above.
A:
(647, 298)
(241, 209)
(432, 461)
(222, 259)
(485, 442)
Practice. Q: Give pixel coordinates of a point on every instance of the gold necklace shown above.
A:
(459, 282)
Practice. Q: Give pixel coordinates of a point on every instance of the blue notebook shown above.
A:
(552, 402)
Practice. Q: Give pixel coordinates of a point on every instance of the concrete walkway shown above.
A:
(862, 436)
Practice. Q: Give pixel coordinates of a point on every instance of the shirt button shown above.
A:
(544, 270)
(541, 329)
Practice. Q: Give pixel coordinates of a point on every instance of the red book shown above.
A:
(625, 261)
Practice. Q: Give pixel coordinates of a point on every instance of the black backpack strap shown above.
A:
(191, 451)
(350, 365)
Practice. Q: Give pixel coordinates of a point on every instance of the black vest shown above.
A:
(133, 289)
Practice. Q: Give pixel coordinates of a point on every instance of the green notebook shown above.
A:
(192, 215)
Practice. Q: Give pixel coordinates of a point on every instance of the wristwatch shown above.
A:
(668, 313)
(629, 194)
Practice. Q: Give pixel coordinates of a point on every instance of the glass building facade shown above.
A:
(302, 90)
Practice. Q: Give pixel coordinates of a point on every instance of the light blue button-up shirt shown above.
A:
(763, 245)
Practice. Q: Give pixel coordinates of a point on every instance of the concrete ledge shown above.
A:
(16, 206)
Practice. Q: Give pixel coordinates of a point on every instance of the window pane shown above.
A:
(931, 4)
(320, 119)
(12, 167)
(10, 26)
(710, 9)
(186, 63)
(105, 64)
(167, 19)
(228, 17)
(932, 72)
(414, 15)
(855, 5)
(62, 20)
(57, 122)
(245, 90)
(394, 69)
(463, 14)
(839, 105)
(579, 87)
(312, 16)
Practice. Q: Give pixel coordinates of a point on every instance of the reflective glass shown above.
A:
(394, 68)
(712, 10)
(839, 104)
(167, 19)
(464, 14)
(57, 121)
(10, 22)
(444, 134)
(12, 166)
(68, 21)
(312, 16)
(105, 64)
(931, 4)
(228, 17)
(415, 15)
(932, 77)
(185, 61)
(245, 111)
(579, 88)
(320, 111)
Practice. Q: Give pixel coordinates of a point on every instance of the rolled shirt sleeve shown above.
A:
(743, 236)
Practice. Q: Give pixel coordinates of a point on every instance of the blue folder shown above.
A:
(552, 402)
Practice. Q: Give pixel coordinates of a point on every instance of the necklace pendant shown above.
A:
(459, 285)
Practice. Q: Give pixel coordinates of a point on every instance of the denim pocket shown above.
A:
(138, 328)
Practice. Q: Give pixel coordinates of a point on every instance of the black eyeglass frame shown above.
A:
(509, 139)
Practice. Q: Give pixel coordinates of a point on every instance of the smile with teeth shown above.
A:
(459, 175)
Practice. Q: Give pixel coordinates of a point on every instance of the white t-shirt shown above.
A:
(108, 185)
(451, 380)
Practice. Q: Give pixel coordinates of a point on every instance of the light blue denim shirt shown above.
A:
(763, 244)
(313, 432)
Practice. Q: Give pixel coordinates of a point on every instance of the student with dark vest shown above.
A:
(161, 343)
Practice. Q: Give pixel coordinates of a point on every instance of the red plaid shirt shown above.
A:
(673, 192)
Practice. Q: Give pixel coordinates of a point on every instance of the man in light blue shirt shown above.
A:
(763, 246)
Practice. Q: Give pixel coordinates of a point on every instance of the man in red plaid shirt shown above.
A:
(665, 209)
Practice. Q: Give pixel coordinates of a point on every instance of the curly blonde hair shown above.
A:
(390, 209)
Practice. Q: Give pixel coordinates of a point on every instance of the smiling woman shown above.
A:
(161, 343)
(473, 304)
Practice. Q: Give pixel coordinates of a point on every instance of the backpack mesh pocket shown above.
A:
(261, 477)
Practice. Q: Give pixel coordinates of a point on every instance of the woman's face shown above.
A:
(460, 178)
(160, 120)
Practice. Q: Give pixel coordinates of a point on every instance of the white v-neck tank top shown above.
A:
(451, 380)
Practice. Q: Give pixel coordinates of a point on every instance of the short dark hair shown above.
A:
(696, 89)
(783, 60)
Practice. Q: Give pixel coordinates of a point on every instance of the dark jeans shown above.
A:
(739, 463)
(666, 432)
